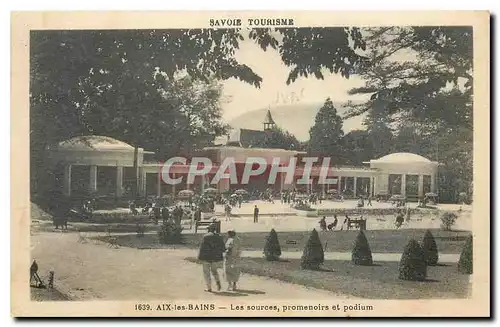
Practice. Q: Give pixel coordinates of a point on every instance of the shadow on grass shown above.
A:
(231, 294)
(429, 280)
(324, 269)
(375, 265)
(250, 291)
(452, 238)
(280, 260)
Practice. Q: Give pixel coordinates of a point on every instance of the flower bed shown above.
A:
(363, 211)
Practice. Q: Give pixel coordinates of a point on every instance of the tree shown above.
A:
(465, 262)
(278, 138)
(181, 117)
(170, 233)
(272, 248)
(358, 147)
(448, 219)
(326, 133)
(299, 49)
(421, 78)
(79, 76)
(84, 82)
(430, 249)
(361, 253)
(313, 255)
(412, 265)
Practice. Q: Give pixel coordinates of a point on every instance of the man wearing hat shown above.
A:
(211, 254)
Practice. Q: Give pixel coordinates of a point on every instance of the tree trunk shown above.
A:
(135, 188)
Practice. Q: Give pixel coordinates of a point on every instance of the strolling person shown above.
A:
(347, 222)
(231, 262)
(369, 202)
(211, 254)
(322, 223)
(399, 219)
(361, 202)
(165, 213)
(227, 209)
(333, 225)
(197, 214)
(256, 214)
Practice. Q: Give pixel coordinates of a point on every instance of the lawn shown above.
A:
(381, 241)
(45, 294)
(379, 281)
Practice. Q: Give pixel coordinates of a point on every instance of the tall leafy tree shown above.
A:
(120, 76)
(314, 51)
(326, 133)
(358, 147)
(277, 138)
(420, 79)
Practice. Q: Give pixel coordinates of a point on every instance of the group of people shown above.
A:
(288, 197)
(213, 250)
(361, 201)
(324, 226)
(165, 214)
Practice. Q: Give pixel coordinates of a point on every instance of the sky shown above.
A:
(243, 97)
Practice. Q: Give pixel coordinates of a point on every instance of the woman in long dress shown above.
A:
(231, 261)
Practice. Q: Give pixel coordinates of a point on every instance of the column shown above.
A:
(433, 183)
(323, 190)
(339, 184)
(374, 188)
(119, 181)
(93, 179)
(67, 180)
(173, 185)
(142, 181)
(420, 186)
(403, 184)
(354, 186)
(282, 181)
(158, 184)
(203, 181)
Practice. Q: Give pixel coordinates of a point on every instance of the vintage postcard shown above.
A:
(250, 164)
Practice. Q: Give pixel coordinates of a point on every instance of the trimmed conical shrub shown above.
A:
(272, 248)
(361, 253)
(313, 255)
(465, 261)
(430, 249)
(412, 265)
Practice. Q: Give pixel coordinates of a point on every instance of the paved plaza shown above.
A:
(284, 218)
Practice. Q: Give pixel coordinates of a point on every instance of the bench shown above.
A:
(382, 197)
(357, 223)
(207, 223)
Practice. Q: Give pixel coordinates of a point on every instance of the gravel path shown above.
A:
(89, 271)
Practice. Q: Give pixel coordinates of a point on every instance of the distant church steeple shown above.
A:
(269, 123)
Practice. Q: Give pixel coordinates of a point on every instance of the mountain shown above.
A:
(295, 118)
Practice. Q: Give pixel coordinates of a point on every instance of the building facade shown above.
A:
(103, 165)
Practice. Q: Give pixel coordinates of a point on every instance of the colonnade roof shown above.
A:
(402, 157)
(94, 142)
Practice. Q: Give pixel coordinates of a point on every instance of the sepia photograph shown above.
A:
(252, 164)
